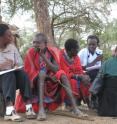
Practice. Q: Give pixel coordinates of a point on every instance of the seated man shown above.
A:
(41, 64)
(70, 63)
(11, 81)
(91, 56)
(91, 59)
(105, 87)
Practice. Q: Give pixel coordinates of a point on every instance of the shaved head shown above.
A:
(40, 37)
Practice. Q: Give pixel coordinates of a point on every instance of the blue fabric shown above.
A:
(43, 69)
(78, 80)
(48, 100)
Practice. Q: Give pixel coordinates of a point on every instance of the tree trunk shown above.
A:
(0, 13)
(43, 19)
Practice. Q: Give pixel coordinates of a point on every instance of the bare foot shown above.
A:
(41, 116)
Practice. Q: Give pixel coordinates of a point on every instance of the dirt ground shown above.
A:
(65, 119)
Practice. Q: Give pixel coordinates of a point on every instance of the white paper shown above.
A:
(6, 71)
(93, 67)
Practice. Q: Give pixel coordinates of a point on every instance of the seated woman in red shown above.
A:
(70, 63)
(41, 64)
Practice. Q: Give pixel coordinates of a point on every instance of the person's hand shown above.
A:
(86, 79)
(99, 58)
(42, 52)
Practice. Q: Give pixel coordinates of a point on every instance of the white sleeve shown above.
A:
(83, 57)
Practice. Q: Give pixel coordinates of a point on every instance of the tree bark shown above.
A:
(43, 19)
(0, 13)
